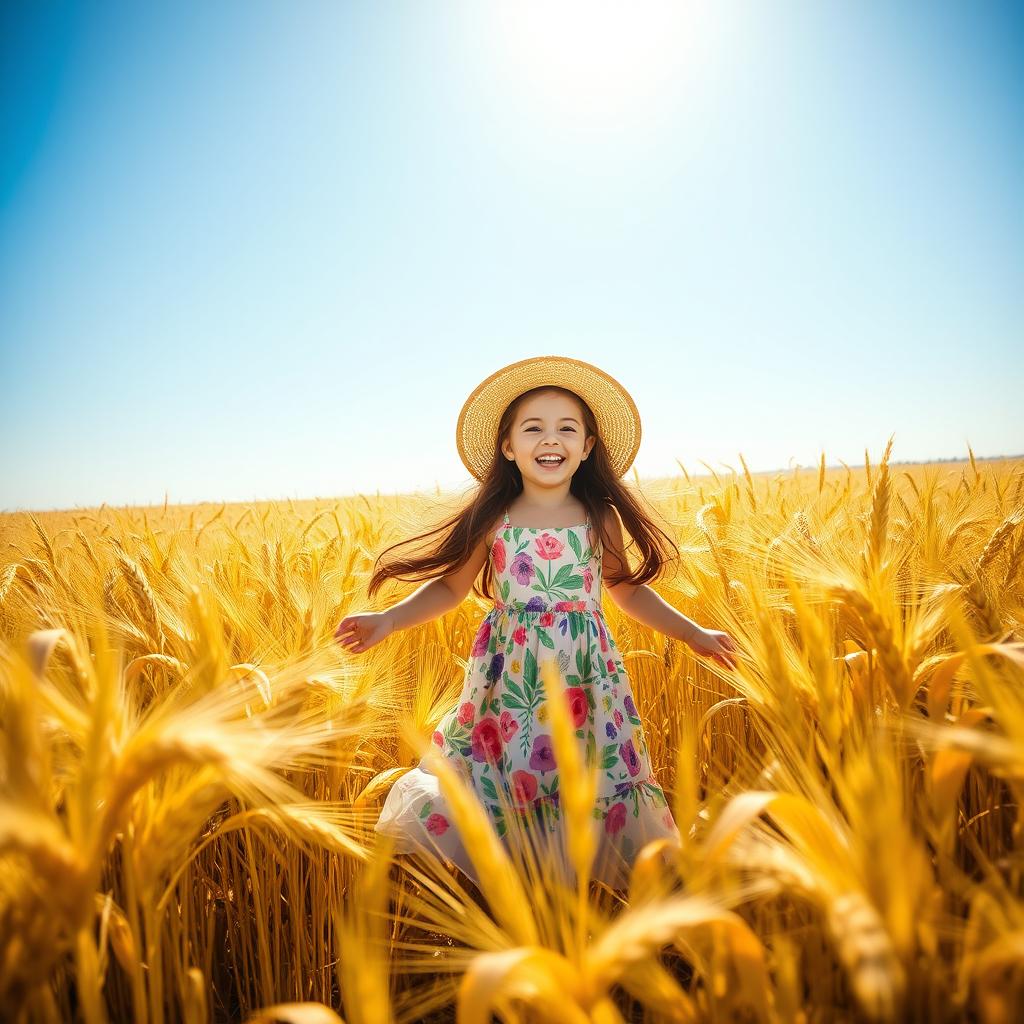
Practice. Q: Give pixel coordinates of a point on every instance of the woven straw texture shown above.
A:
(618, 421)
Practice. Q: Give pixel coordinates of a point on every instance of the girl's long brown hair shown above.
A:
(594, 484)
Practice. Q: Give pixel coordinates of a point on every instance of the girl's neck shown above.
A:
(547, 499)
(547, 507)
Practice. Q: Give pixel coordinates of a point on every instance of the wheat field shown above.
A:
(191, 768)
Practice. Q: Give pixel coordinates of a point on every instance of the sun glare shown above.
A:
(599, 58)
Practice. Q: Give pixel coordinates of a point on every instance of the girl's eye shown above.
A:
(573, 429)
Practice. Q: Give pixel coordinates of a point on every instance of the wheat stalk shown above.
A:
(892, 659)
(145, 598)
(874, 546)
(996, 542)
(7, 578)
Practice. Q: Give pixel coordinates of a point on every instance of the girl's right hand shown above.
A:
(358, 633)
(715, 644)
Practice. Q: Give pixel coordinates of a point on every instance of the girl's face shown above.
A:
(548, 423)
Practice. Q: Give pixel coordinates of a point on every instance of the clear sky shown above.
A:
(261, 250)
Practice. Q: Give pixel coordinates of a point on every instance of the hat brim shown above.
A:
(618, 420)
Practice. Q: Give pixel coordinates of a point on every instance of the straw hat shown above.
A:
(618, 421)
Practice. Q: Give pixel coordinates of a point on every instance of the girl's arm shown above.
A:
(441, 595)
(361, 631)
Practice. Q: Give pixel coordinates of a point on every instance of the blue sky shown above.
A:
(264, 250)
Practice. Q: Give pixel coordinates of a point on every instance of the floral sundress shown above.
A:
(547, 605)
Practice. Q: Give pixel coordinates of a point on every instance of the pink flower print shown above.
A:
(627, 703)
(611, 665)
(498, 555)
(546, 619)
(588, 579)
(542, 757)
(630, 757)
(617, 715)
(437, 824)
(508, 724)
(524, 787)
(519, 636)
(487, 741)
(601, 634)
(615, 818)
(438, 738)
(522, 568)
(467, 712)
(482, 639)
(578, 705)
(548, 547)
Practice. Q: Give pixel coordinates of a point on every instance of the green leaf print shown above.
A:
(456, 733)
(634, 795)
(574, 543)
(564, 588)
(514, 703)
(609, 755)
(487, 784)
(425, 809)
(513, 697)
(657, 794)
(583, 663)
(529, 675)
(561, 576)
(505, 588)
(499, 819)
(545, 637)
(530, 697)
(511, 686)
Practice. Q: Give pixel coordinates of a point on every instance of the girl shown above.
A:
(549, 439)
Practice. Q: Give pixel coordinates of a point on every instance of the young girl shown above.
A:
(549, 439)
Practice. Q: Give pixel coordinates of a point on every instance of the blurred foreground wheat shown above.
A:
(190, 769)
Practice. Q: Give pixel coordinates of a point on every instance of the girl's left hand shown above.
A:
(715, 644)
